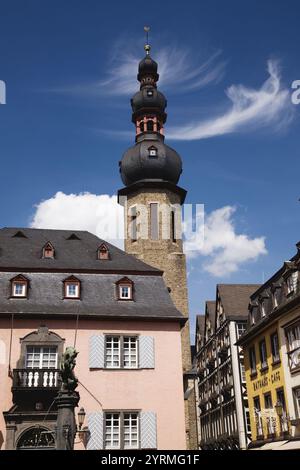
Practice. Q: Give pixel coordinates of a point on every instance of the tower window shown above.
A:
(154, 221)
(152, 151)
(72, 288)
(150, 93)
(173, 227)
(150, 125)
(133, 224)
(142, 126)
(19, 286)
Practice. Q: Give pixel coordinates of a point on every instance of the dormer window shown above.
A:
(152, 151)
(263, 308)
(103, 252)
(19, 287)
(291, 282)
(276, 296)
(125, 289)
(72, 288)
(252, 317)
(48, 251)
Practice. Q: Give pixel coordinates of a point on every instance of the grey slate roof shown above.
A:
(210, 308)
(235, 298)
(70, 255)
(200, 319)
(98, 286)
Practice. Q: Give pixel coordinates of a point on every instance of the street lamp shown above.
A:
(81, 416)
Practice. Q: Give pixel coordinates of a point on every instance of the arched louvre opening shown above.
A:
(36, 438)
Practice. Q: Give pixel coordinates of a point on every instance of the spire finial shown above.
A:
(147, 46)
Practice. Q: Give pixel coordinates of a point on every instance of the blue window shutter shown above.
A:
(96, 352)
(148, 430)
(146, 352)
(95, 426)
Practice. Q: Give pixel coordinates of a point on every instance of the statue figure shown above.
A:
(69, 381)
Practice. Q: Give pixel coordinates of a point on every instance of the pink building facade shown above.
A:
(129, 363)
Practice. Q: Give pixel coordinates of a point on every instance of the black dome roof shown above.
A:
(137, 165)
(147, 66)
(148, 97)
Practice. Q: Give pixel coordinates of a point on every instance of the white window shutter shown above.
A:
(96, 352)
(148, 430)
(95, 427)
(146, 352)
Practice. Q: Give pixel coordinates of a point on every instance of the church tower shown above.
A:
(150, 171)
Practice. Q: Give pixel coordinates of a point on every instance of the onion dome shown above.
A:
(147, 70)
(150, 159)
(148, 99)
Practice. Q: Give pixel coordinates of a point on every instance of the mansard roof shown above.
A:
(75, 250)
(78, 256)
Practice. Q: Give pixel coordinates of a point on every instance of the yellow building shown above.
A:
(265, 386)
(271, 347)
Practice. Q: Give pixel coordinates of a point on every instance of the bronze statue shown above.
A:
(68, 362)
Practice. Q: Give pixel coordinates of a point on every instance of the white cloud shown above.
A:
(177, 67)
(250, 109)
(99, 214)
(225, 249)
(222, 252)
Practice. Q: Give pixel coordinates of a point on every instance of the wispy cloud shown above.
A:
(250, 109)
(223, 250)
(178, 67)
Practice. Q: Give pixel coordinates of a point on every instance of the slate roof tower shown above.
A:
(150, 171)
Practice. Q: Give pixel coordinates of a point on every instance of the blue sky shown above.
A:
(69, 68)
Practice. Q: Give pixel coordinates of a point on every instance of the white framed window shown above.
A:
(19, 289)
(296, 393)
(241, 328)
(131, 430)
(121, 430)
(112, 430)
(130, 356)
(263, 308)
(113, 351)
(121, 352)
(41, 357)
(275, 347)
(125, 292)
(72, 288)
(293, 336)
(124, 289)
(263, 354)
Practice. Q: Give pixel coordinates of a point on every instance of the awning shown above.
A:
(280, 445)
(271, 446)
(290, 445)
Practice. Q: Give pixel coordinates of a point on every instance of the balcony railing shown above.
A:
(294, 359)
(33, 379)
